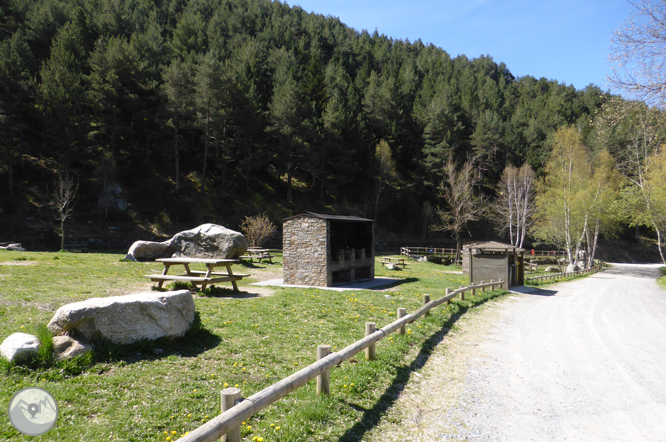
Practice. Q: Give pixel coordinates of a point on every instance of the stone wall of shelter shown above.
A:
(305, 253)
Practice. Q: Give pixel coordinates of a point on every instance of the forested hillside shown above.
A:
(212, 110)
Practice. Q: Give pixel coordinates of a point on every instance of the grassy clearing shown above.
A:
(139, 393)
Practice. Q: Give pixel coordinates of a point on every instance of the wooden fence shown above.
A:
(236, 409)
(563, 275)
(409, 251)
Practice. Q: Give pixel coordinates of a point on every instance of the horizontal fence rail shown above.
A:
(228, 422)
(563, 275)
(408, 251)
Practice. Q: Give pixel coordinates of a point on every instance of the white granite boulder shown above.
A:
(552, 269)
(66, 347)
(205, 241)
(149, 251)
(18, 346)
(209, 241)
(572, 268)
(127, 319)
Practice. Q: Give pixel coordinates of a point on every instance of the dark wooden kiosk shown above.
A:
(493, 260)
(325, 250)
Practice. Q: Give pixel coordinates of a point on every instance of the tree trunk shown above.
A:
(458, 245)
(176, 154)
(62, 234)
(11, 179)
(203, 173)
(661, 251)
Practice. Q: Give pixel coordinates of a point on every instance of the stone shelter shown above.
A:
(493, 260)
(325, 250)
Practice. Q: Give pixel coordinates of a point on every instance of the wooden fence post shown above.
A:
(492, 282)
(370, 328)
(473, 290)
(229, 397)
(483, 289)
(324, 379)
(448, 301)
(426, 299)
(462, 294)
(402, 312)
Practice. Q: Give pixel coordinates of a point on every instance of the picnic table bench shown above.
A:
(204, 278)
(258, 254)
(395, 261)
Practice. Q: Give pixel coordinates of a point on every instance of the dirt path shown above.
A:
(579, 361)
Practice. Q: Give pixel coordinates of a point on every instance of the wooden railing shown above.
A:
(563, 275)
(409, 251)
(236, 409)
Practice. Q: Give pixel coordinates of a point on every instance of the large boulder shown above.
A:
(149, 251)
(127, 319)
(552, 269)
(18, 346)
(209, 241)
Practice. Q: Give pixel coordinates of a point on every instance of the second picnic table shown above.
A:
(258, 254)
(210, 276)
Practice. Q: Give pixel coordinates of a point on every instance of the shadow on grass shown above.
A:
(372, 416)
(196, 341)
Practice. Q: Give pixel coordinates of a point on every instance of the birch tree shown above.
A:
(63, 199)
(562, 216)
(515, 205)
(657, 191)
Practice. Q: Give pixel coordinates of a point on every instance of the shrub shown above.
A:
(258, 229)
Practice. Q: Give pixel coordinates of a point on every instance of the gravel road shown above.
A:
(578, 361)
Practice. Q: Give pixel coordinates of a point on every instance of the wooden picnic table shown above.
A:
(396, 261)
(258, 254)
(210, 276)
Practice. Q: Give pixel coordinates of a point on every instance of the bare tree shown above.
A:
(457, 189)
(258, 229)
(63, 196)
(638, 51)
(515, 202)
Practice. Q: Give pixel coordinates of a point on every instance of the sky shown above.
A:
(563, 40)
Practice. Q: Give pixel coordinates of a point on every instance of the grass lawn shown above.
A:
(252, 340)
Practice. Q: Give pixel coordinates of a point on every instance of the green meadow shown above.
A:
(162, 389)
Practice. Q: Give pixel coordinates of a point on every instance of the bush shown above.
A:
(258, 229)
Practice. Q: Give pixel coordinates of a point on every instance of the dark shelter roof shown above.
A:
(493, 246)
(332, 217)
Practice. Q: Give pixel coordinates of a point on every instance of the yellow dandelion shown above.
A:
(174, 432)
(226, 385)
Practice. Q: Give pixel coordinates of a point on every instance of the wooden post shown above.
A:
(448, 301)
(229, 397)
(426, 299)
(324, 379)
(492, 287)
(402, 312)
(462, 294)
(473, 290)
(370, 328)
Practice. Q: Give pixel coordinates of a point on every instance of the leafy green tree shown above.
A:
(291, 117)
(562, 199)
(386, 171)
